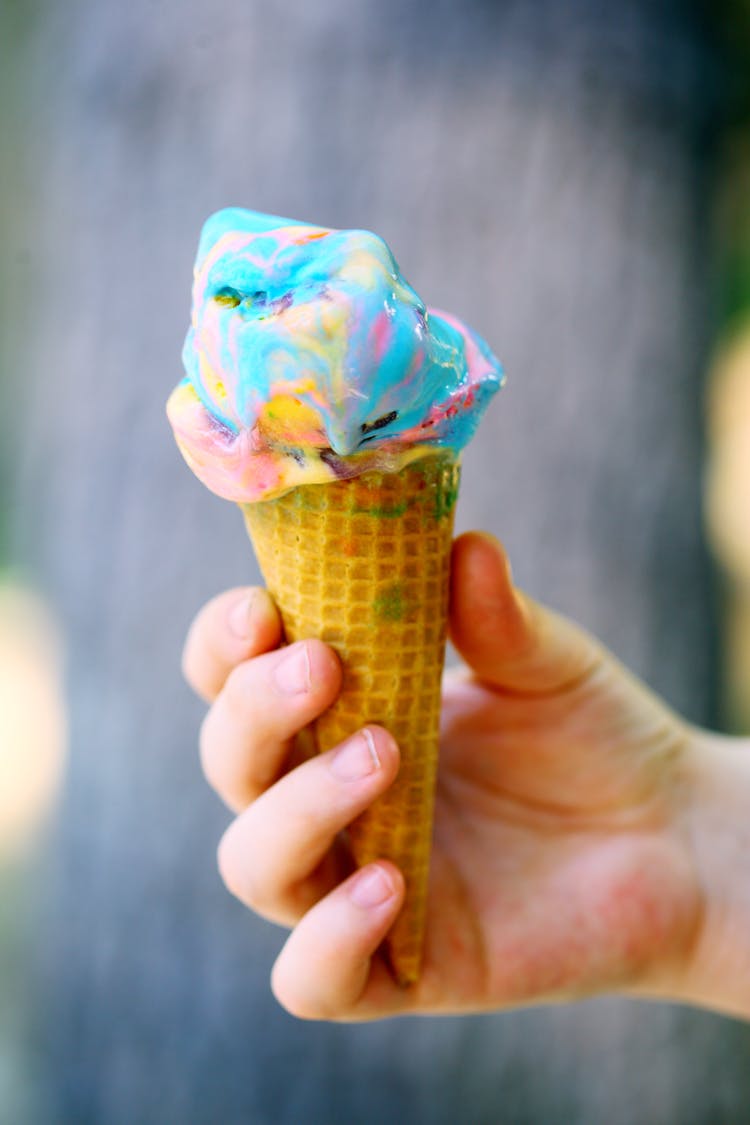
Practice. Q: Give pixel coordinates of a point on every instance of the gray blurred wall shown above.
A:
(544, 170)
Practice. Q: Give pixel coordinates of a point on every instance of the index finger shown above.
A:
(231, 628)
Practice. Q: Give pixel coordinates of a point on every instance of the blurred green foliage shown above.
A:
(17, 19)
(733, 27)
(734, 223)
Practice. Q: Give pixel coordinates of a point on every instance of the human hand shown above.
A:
(561, 860)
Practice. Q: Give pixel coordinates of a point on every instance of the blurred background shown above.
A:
(573, 178)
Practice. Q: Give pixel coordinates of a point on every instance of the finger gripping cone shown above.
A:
(364, 565)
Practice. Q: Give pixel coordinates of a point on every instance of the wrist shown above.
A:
(715, 815)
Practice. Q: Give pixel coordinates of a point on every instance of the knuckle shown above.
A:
(234, 870)
(297, 1005)
(227, 865)
(239, 689)
(243, 878)
(208, 758)
(185, 665)
(188, 663)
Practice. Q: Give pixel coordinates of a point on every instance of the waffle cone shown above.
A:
(364, 565)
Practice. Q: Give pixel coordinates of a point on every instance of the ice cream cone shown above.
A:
(326, 398)
(364, 565)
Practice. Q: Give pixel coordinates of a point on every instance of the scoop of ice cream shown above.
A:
(309, 358)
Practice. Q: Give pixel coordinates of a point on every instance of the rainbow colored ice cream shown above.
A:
(310, 359)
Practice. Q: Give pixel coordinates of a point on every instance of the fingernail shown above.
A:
(292, 675)
(356, 758)
(240, 615)
(371, 887)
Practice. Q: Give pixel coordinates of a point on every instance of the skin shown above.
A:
(587, 839)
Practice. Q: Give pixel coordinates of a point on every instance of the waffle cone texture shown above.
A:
(364, 564)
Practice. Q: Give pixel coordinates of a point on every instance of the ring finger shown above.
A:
(276, 856)
(247, 734)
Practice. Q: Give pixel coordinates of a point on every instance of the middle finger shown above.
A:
(247, 734)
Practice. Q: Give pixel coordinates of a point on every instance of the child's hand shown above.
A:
(560, 864)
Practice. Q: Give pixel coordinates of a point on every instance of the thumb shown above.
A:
(508, 639)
